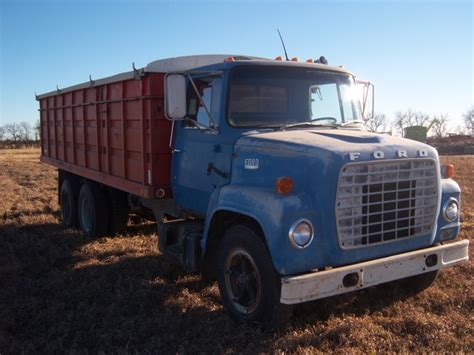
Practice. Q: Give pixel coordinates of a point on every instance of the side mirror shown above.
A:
(175, 96)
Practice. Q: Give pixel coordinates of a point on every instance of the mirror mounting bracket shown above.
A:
(367, 88)
(187, 74)
(201, 101)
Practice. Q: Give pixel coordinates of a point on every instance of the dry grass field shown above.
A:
(62, 292)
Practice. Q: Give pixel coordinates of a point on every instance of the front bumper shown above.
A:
(321, 284)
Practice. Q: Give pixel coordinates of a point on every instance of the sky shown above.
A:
(419, 55)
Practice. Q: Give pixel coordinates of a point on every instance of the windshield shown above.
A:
(274, 96)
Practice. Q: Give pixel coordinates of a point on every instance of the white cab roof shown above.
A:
(190, 62)
(176, 64)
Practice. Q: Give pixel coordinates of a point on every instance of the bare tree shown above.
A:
(421, 119)
(400, 122)
(440, 125)
(25, 132)
(469, 120)
(404, 119)
(2, 133)
(37, 130)
(409, 118)
(14, 131)
(377, 123)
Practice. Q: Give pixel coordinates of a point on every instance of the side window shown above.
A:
(201, 115)
(209, 90)
(324, 101)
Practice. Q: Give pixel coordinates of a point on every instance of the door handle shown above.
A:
(211, 168)
(176, 151)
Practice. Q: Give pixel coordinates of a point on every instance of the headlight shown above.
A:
(301, 233)
(451, 210)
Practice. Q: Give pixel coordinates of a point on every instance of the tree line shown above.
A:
(17, 135)
(439, 124)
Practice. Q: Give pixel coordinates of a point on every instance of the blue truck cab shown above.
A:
(281, 195)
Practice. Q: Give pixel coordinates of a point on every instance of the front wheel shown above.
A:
(248, 284)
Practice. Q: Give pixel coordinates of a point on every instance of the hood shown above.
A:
(314, 160)
(350, 145)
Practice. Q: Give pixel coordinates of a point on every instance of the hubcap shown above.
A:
(242, 279)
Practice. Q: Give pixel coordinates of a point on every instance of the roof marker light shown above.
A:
(310, 60)
(279, 58)
(321, 60)
(229, 59)
(295, 59)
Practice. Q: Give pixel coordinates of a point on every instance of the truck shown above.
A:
(259, 175)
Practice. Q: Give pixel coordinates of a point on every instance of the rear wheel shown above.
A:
(68, 200)
(248, 284)
(92, 208)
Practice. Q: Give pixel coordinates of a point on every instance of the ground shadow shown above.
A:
(52, 300)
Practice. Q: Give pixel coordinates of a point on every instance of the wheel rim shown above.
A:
(86, 214)
(242, 279)
(65, 207)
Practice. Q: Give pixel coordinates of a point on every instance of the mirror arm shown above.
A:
(366, 96)
(373, 100)
(366, 90)
(201, 128)
(203, 104)
(196, 124)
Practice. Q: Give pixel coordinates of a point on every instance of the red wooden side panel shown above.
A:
(114, 133)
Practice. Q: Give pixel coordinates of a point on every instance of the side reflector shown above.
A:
(447, 171)
(284, 185)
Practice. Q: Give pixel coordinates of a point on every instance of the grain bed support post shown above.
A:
(258, 174)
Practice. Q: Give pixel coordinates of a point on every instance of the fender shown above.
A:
(275, 213)
(445, 230)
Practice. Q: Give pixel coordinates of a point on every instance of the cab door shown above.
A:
(201, 159)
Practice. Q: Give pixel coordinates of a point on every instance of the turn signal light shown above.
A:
(284, 185)
(447, 171)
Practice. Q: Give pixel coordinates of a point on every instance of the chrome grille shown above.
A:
(383, 201)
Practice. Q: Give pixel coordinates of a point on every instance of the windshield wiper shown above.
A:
(307, 124)
(352, 123)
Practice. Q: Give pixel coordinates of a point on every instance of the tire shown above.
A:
(92, 210)
(118, 212)
(68, 201)
(248, 284)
